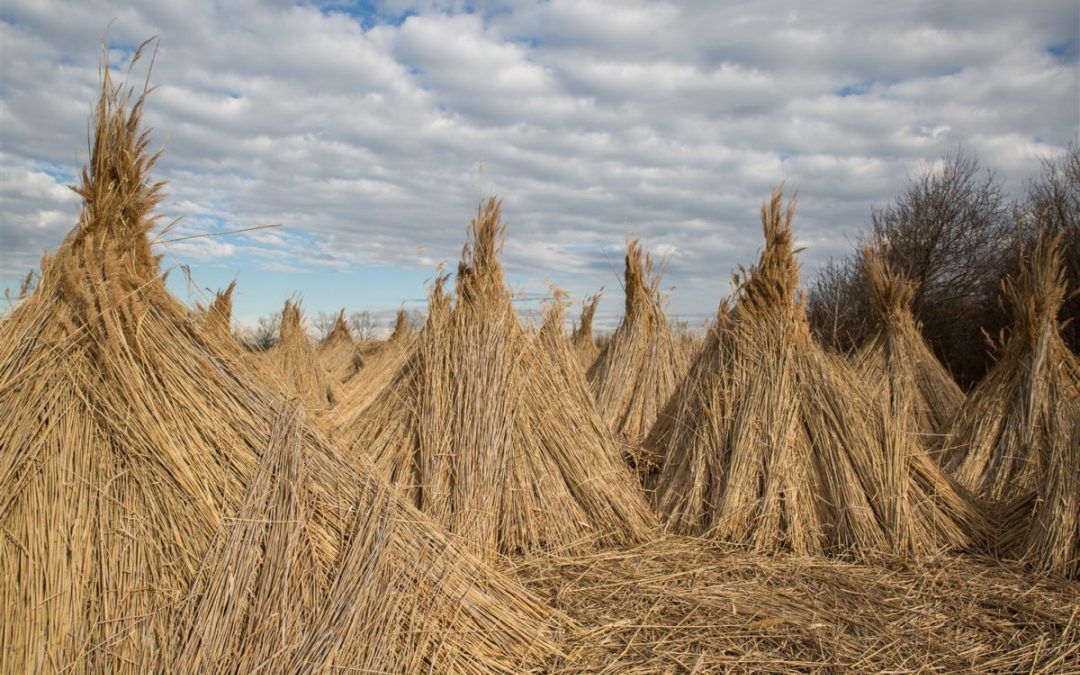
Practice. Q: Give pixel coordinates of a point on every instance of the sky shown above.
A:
(370, 131)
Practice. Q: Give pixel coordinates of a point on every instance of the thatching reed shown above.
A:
(217, 316)
(338, 352)
(378, 366)
(639, 368)
(676, 606)
(295, 366)
(898, 361)
(774, 444)
(1005, 428)
(144, 470)
(1045, 531)
(476, 427)
(582, 338)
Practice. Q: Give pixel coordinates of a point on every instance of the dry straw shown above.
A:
(476, 426)
(677, 606)
(146, 477)
(338, 353)
(379, 365)
(295, 365)
(1003, 432)
(582, 337)
(774, 444)
(639, 368)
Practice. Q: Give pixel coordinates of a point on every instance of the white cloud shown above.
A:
(372, 142)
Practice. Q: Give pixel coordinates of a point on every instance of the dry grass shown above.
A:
(144, 471)
(774, 444)
(685, 606)
(639, 368)
(477, 428)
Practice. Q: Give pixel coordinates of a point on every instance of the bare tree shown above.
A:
(363, 325)
(1052, 205)
(950, 231)
(323, 322)
(265, 333)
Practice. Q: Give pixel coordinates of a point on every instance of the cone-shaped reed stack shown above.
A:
(338, 353)
(1046, 531)
(639, 368)
(582, 338)
(477, 429)
(898, 360)
(772, 443)
(379, 366)
(1003, 431)
(129, 440)
(217, 317)
(296, 366)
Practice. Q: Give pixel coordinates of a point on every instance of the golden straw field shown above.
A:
(481, 495)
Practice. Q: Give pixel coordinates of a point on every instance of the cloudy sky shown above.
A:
(371, 130)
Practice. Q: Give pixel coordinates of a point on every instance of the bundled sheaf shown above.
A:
(477, 429)
(898, 360)
(295, 366)
(772, 443)
(582, 337)
(640, 367)
(338, 353)
(217, 316)
(162, 511)
(1002, 434)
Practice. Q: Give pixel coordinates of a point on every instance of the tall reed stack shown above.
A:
(476, 430)
(338, 353)
(772, 443)
(217, 317)
(582, 337)
(296, 366)
(898, 360)
(379, 364)
(639, 368)
(147, 478)
(1000, 441)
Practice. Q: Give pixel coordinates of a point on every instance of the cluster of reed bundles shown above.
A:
(482, 496)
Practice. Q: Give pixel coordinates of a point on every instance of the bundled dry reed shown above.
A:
(1003, 432)
(772, 443)
(146, 476)
(680, 606)
(477, 429)
(379, 365)
(338, 353)
(639, 368)
(295, 366)
(217, 317)
(582, 338)
(898, 360)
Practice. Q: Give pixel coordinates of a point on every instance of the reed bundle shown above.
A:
(477, 430)
(1003, 432)
(639, 368)
(582, 338)
(295, 365)
(217, 316)
(680, 606)
(162, 510)
(897, 359)
(338, 353)
(379, 364)
(773, 443)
